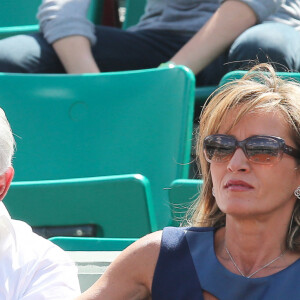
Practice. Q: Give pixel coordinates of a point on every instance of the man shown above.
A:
(32, 268)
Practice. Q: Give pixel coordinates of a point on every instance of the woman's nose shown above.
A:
(238, 162)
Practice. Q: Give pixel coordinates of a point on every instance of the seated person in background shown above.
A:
(245, 239)
(200, 34)
(32, 267)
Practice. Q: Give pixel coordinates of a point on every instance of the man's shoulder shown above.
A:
(32, 246)
(32, 264)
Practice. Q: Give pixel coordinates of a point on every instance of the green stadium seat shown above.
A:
(18, 12)
(182, 194)
(91, 244)
(91, 255)
(108, 206)
(202, 93)
(74, 126)
(91, 265)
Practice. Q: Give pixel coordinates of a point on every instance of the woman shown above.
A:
(245, 243)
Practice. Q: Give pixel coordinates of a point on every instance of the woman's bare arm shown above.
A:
(75, 54)
(227, 23)
(130, 276)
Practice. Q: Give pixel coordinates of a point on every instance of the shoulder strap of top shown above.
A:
(175, 275)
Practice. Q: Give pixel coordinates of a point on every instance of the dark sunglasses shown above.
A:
(261, 149)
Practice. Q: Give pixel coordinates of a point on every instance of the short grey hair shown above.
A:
(7, 143)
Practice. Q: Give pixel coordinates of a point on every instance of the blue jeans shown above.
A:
(118, 50)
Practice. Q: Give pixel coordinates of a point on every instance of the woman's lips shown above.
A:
(238, 185)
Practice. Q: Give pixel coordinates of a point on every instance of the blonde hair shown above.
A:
(258, 89)
(7, 143)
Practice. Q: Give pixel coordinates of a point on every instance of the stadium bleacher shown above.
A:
(72, 129)
(75, 126)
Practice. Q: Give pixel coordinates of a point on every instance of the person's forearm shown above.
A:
(75, 54)
(227, 23)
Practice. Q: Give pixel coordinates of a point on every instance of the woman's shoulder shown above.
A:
(179, 232)
(152, 242)
(145, 251)
(178, 237)
(188, 228)
(137, 262)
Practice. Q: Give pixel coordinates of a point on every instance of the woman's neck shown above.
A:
(250, 244)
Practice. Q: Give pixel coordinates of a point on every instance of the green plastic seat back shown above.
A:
(116, 206)
(70, 126)
(230, 76)
(18, 12)
(182, 194)
(92, 244)
(134, 10)
(202, 93)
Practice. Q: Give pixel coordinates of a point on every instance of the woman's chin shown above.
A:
(238, 207)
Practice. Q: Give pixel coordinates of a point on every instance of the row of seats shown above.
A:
(81, 126)
(91, 125)
(77, 133)
(93, 255)
(69, 128)
(108, 206)
(37, 99)
(77, 126)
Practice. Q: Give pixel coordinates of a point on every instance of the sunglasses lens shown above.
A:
(219, 148)
(263, 150)
(258, 149)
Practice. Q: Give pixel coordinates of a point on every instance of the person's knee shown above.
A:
(259, 44)
(15, 54)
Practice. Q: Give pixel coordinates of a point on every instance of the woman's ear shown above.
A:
(5, 181)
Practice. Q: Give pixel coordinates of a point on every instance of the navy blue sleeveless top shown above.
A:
(187, 264)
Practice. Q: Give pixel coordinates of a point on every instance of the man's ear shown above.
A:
(5, 181)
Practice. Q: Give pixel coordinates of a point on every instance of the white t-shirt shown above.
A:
(31, 267)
